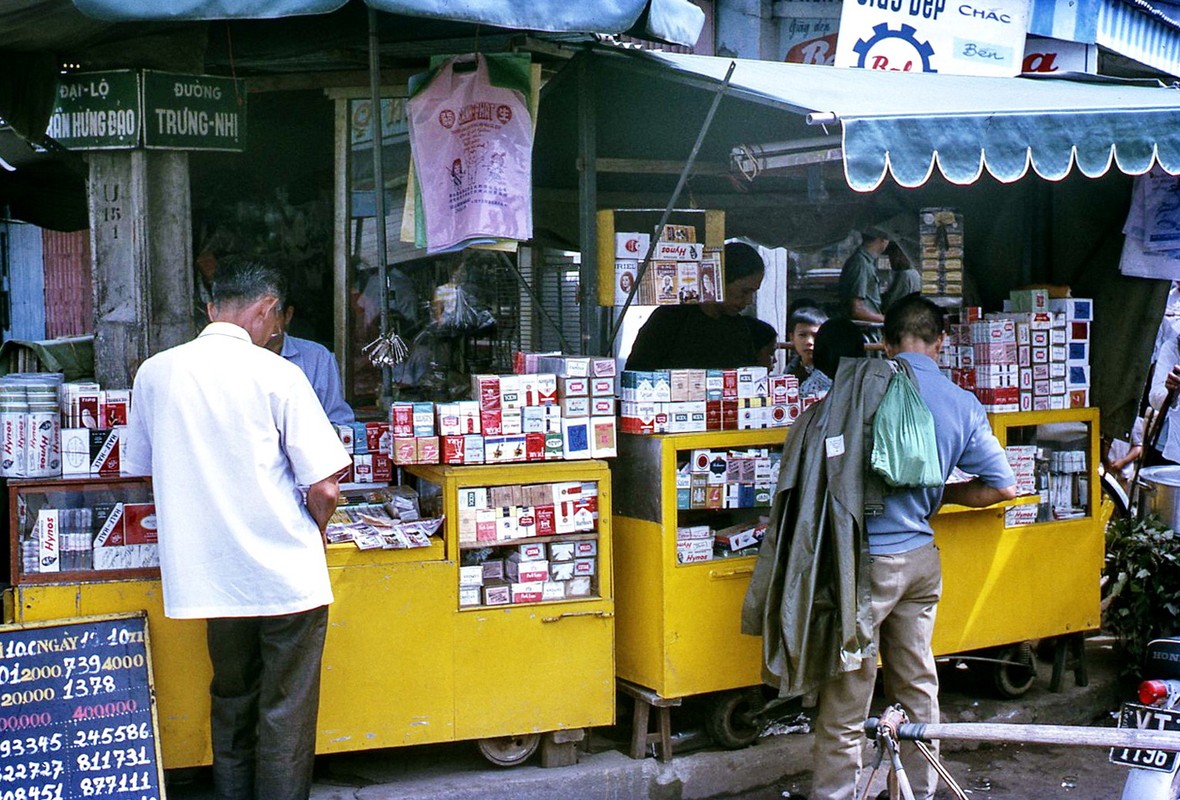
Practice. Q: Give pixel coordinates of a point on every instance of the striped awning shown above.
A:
(677, 21)
(907, 124)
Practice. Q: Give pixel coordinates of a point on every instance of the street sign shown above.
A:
(193, 112)
(97, 111)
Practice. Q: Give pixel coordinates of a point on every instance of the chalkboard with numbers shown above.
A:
(77, 711)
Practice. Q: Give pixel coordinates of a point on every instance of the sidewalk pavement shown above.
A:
(458, 772)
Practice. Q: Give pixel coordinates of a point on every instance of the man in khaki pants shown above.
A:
(905, 571)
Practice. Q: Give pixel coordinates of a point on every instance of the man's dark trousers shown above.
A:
(264, 701)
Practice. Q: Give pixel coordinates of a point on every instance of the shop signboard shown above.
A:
(959, 37)
(193, 112)
(96, 111)
(1044, 56)
(807, 30)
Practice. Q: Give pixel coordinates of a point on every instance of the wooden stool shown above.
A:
(1073, 647)
(645, 701)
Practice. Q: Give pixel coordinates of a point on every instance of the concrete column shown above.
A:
(141, 246)
(746, 29)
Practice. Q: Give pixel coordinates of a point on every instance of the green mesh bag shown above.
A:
(905, 451)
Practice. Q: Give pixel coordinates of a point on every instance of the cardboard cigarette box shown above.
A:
(428, 451)
(471, 576)
(579, 587)
(632, 245)
(553, 590)
(497, 595)
(603, 368)
(561, 551)
(424, 419)
(405, 450)
(473, 449)
(75, 452)
(401, 416)
(485, 389)
(454, 449)
(561, 570)
(603, 437)
(104, 451)
(470, 595)
(528, 592)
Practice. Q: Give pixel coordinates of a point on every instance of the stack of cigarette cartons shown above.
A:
(686, 400)
(681, 269)
(717, 479)
(371, 446)
(694, 543)
(940, 237)
(1078, 314)
(521, 568)
(1034, 356)
(92, 425)
(566, 411)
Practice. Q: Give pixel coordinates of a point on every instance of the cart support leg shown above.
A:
(1069, 652)
(560, 748)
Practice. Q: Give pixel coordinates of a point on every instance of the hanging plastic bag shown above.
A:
(471, 138)
(905, 451)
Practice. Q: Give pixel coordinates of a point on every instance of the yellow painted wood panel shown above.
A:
(535, 667)
(388, 670)
(639, 601)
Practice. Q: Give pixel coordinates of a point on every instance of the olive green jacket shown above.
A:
(810, 597)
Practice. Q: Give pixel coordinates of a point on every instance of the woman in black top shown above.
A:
(704, 335)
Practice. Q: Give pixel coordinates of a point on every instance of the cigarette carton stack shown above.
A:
(565, 411)
(1034, 356)
(506, 518)
(1068, 483)
(684, 400)
(940, 236)
(716, 479)
(681, 270)
(371, 447)
(92, 425)
(694, 543)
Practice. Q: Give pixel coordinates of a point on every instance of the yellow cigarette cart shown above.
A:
(403, 663)
(1010, 574)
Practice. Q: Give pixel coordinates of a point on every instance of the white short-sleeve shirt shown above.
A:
(229, 431)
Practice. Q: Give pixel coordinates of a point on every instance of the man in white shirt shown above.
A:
(230, 433)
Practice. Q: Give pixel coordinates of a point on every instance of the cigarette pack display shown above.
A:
(626, 273)
(553, 590)
(575, 434)
(585, 548)
(632, 245)
(470, 595)
(497, 595)
(75, 452)
(528, 591)
(603, 441)
(561, 570)
(471, 576)
(104, 451)
(579, 587)
(572, 407)
(493, 570)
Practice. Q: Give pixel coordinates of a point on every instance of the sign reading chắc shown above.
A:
(958, 37)
(193, 112)
(96, 111)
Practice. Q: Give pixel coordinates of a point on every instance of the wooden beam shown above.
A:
(396, 79)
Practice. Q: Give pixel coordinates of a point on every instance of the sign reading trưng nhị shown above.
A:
(193, 112)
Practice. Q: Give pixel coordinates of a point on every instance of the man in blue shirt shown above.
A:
(906, 574)
(317, 363)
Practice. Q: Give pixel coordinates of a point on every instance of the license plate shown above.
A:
(1134, 715)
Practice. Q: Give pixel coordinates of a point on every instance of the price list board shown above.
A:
(77, 711)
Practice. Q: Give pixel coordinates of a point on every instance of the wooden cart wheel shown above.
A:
(734, 720)
(508, 751)
(1012, 680)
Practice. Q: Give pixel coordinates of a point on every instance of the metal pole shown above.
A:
(1038, 734)
(591, 328)
(692, 157)
(379, 185)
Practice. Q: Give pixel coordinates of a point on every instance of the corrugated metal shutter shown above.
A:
(555, 279)
(69, 300)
